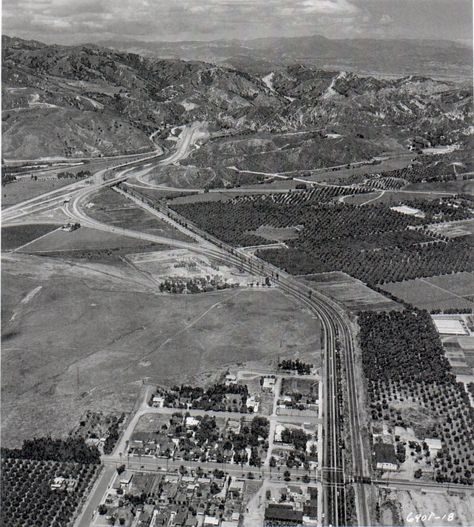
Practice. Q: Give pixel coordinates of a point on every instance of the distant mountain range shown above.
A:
(433, 58)
(90, 101)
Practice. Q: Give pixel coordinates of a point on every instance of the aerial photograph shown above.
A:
(237, 265)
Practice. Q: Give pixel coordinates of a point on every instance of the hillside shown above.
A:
(92, 101)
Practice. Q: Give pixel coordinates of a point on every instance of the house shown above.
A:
(385, 457)
(234, 425)
(282, 512)
(253, 404)
(230, 379)
(125, 478)
(268, 384)
(191, 421)
(158, 401)
(229, 523)
(144, 519)
(294, 491)
(433, 444)
(210, 521)
(236, 488)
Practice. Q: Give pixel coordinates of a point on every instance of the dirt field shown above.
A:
(86, 336)
(352, 293)
(453, 229)
(436, 292)
(18, 235)
(389, 197)
(437, 508)
(113, 208)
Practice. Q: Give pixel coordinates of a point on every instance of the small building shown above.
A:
(236, 487)
(210, 521)
(450, 326)
(191, 421)
(230, 379)
(158, 401)
(268, 384)
(125, 478)
(434, 444)
(253, 404)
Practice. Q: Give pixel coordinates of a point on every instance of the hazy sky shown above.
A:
(73, 21)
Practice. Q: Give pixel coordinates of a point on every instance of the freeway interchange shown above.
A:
(339, 387)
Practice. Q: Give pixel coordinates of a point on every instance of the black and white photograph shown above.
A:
(237, 266)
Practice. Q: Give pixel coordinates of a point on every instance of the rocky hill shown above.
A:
(90, 101)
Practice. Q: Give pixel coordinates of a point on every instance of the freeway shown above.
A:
(56, 198)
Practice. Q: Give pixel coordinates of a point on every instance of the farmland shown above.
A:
(350, 292)
(429, 425)
(87, 335)
(372, 243)
(44, 482)
(452, 291)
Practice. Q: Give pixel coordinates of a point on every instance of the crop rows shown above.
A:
(318, 195)
(372, 243)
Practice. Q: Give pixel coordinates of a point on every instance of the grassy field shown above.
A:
(86, 336)
(350, 292)
(438, 292)
(18, 235)
(458, 187)
(86, 240)
(26, 188)
(113, 208)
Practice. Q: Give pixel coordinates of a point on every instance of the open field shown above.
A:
(458, 186)
(400, 507)
(390, 197)
(396, 162)
(438, 292)
(18, 235)
(352, 293)
(26, 188)
(85, 336)
(87, 242)
(453, 229)
(115, 209)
